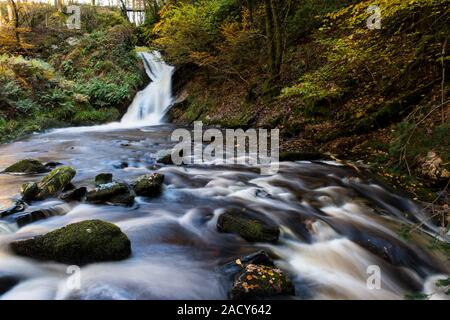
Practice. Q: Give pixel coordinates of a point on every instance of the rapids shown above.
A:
(336, 223)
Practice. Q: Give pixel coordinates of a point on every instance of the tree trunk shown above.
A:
(14, 19)
(123, 10)
(274, 32)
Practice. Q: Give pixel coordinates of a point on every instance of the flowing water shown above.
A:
(336, 223)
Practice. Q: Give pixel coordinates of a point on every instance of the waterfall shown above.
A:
(151, 104)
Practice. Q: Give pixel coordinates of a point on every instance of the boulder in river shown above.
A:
(260, 282)
(103, 178)
(78, 243)
(112, 193)
(250, 228)
(74, 195)
(27, 166)
(29, 191)
(55, 182)
(149, 185)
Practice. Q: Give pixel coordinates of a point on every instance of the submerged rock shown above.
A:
(258, 258)
(149, 185)
(33, 216)
(103, 178)
(27, 166)
(248, 227)
(113, 193)
(74, 195)
(18, 206)
(78, 243)
(259, 282)
(52, 164)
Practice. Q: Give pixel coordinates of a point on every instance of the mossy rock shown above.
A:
(103, 178)
(55, 182)
(248, 227)
(27, 166)
(29, 191)
(111, 193)
(261, 282)
(149, 185)
(78, 243)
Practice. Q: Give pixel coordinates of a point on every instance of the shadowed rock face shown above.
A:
(27, 166)
(78, 243)
(248, 226)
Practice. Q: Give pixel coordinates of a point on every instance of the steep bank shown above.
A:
(56, 77)
(374, 95)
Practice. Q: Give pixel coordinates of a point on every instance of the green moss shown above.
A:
(78, 243)
(149, 185)
(29, 191)
(55, 182)
(253, 230)
(103, 178)
(27, 166)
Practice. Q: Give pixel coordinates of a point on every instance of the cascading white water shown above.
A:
(150, 105)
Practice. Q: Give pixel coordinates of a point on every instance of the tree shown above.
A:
(277, 12)
(14, 19)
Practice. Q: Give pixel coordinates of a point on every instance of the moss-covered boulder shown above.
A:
(103, 178)
(111, 193)
(55, 182)
(247, 226)
(149, 185)
(261, 282)
(27, 166)
(78, 243)
(29, 191)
